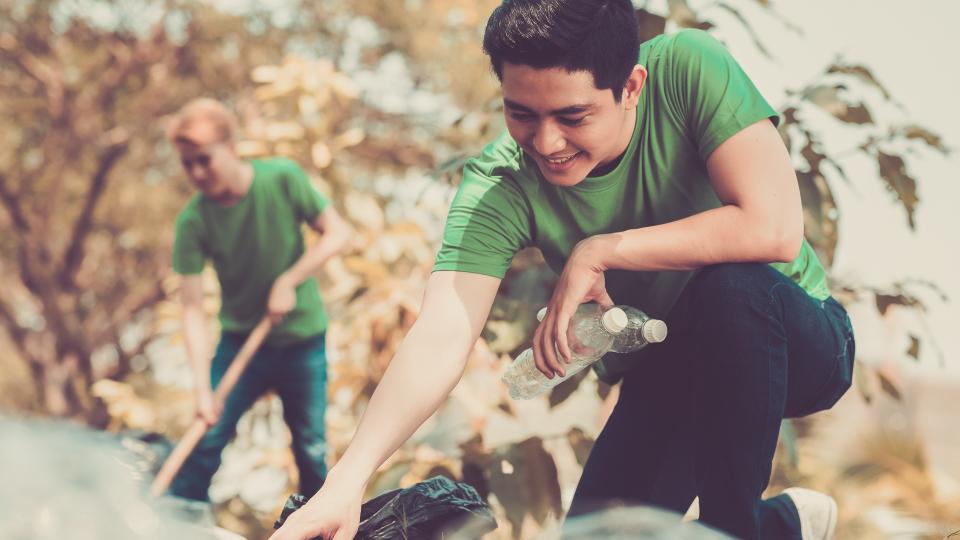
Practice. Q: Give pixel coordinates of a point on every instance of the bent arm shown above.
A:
(425, 368)
(761, 219)
(335, 233)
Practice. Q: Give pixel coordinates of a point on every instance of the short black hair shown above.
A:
(598, 36)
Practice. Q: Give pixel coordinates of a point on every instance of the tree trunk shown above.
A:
(61, 387)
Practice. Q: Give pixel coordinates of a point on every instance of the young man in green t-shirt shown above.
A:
(247, 220)
(650, 175)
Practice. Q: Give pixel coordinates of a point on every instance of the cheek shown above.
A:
(519, 131)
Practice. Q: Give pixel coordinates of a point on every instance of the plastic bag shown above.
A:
(423, 511)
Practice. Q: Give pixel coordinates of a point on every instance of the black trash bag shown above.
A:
(423, 511)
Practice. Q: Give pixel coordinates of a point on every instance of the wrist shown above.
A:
(286, 279)
(597, 252)
(346, 479)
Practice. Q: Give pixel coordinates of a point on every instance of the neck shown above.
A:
(242, 179)
(623, 141)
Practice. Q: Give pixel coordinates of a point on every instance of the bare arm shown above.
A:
(426, 367)
(761, 219)
(334, 235)
(194, 322)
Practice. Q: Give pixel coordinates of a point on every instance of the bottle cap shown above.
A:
(614, 320)
(654, 330)
(541, 314)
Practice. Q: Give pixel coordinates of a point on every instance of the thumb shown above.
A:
(345, 533)
(603, 297)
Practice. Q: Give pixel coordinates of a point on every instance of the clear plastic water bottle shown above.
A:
(590, 335)
(640, 331)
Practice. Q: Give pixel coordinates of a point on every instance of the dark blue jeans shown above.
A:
(700, 413)
(298, 373)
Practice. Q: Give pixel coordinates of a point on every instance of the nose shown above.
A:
(197, 172)
(548, 139)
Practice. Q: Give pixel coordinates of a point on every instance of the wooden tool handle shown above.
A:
(198, 428)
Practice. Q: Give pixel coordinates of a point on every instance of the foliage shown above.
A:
(80, 184)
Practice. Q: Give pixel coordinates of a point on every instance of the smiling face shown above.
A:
(564, 122)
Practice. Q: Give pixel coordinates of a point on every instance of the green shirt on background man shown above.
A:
(696, 96)
(251, 243)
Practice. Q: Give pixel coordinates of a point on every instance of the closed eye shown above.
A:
(521, 117)
(567, 121)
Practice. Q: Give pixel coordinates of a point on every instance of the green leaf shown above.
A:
(914, 350)
(828, 98)
(562, 391)
(884, 301)
(862, 73)
(888, 386)
(932, 139)
(523, 476)
(894, 172)
(581, 444)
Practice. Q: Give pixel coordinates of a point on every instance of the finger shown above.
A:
(563, 322)
(550, 346)
(538, 358)
(345, 533)
(605, 300)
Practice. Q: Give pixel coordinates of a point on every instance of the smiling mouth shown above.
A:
(560, 160)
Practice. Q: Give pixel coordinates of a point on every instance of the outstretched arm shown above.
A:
(426, 367)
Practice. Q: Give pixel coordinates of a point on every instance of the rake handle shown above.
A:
(198, 428)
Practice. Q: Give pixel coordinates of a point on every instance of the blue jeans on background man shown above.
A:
(700, 413)
(298, 373)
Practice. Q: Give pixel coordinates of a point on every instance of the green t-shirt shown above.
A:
(251, 243)
(696, 96)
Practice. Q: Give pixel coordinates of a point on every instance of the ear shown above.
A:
(633, 86)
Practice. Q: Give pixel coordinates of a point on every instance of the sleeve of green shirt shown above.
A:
(717, 98)
(308, 203)
(487, 224)
(188, 256)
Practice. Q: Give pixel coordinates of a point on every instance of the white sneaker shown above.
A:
(818, 513)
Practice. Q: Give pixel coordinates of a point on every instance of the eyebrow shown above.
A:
(572, 109)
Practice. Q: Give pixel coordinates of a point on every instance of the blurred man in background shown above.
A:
(247, 219)
(651, 174)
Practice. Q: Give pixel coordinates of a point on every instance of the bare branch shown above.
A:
(73, 255)
(12, 203)
(17, 333)
(133, 304)
(49, 78)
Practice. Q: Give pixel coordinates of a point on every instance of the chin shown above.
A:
(565, 179)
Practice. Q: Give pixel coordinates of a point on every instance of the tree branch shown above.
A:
(73, 255)
(49, 78)
(17, 333)
(12, 204)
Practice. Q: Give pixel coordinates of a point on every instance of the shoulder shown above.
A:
(500, 165)
(278, 165)
(190, 214)
(692, 44)
(690, 40)
(501, 157)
